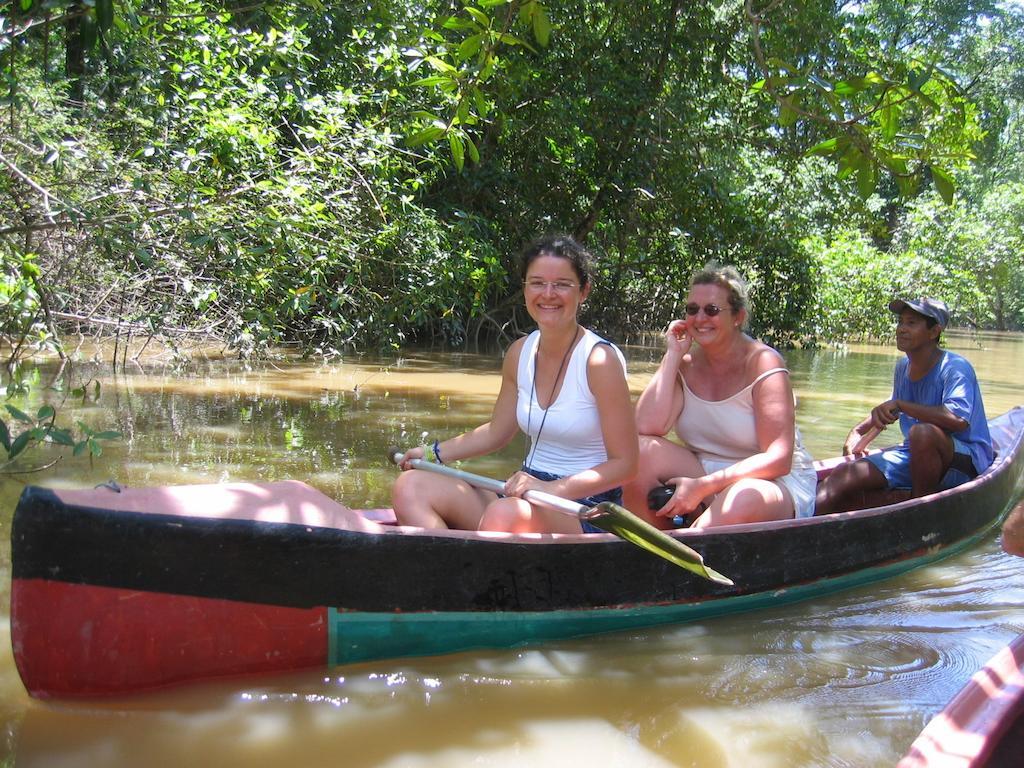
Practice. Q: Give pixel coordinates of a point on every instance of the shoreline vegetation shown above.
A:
(363, 177)
(136, 356)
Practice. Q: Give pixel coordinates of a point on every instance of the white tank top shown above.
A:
(571, 440)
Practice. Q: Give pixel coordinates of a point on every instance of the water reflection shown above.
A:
(847, 680)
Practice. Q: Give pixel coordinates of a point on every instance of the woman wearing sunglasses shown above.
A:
(730, 401)
(565, 387)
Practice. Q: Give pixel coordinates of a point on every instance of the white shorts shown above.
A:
(801, 483)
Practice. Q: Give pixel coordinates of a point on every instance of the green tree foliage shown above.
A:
(883, 91)
(979, 247)
(967, 254)
(969, 251)
(338, 175)
(25, 431)
(858, 280)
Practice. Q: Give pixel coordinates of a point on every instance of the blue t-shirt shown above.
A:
(951, 382)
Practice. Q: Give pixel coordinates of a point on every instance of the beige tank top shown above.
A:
(725, 430)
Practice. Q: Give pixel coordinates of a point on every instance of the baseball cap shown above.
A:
(932, 308)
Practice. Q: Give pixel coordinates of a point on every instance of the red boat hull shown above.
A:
(200, 638)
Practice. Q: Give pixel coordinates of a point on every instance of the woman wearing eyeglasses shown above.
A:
(565, 387)
(731, 402)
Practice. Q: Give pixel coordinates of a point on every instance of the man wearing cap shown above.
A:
(936, 398)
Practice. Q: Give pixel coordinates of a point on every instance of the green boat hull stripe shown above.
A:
(355, 636)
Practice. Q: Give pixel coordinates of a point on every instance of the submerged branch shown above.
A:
(140, 327)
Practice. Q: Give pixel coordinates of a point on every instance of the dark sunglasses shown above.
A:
(711, 310)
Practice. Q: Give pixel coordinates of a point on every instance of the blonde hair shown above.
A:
(727, 278)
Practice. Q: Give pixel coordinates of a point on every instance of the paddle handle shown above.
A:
(624, 523)
(540, 498)
(865, 440)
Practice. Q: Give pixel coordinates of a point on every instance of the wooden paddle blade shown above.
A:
(624, 524)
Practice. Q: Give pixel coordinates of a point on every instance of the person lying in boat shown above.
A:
(730, 401)
(565, 387)
(937, 401)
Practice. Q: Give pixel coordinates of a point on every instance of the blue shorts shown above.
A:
(894, 463)
(614, 495)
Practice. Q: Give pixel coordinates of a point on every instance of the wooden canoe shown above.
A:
(983, 725)
(121, 590)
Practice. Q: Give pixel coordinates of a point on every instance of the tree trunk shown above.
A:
(74, 56)
(619, 156)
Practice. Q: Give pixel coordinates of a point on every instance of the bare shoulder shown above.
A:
(763, 358)
(515, 348)
(604, 364)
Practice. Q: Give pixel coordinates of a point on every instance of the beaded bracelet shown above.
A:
(436, 450)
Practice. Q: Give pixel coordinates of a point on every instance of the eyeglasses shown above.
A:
(558, 286)
(711, 310)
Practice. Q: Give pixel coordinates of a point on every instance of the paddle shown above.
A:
(606, 515)
(865, 440)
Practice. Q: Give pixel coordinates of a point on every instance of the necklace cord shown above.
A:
(551, 402)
